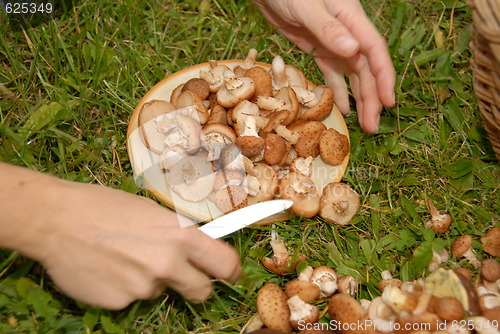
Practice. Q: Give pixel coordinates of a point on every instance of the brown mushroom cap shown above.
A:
(225, 178)
(215, 76)
(491, 242)
(251, 147)
(268, 183)
(326, 279)
(449, 309)
(295, 76)
(273, 308)
(198, 86)
(288, 95)
(188, 98)
(347, 284)
(150, 134)
(344, 309)
(217, 115)
(339, 203)
(230, 95)
(310, 133)
(333, 147)
(275, 149)
(192, 178)
(490, 270)
(461, 245)
(322, 108)
(307, 291)
(389, 282)
(302, 191)
(262, 79)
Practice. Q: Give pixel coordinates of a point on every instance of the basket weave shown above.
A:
(485, 48)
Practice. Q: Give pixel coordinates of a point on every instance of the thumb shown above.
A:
(331, 33)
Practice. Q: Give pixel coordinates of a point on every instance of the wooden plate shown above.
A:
(146, 166)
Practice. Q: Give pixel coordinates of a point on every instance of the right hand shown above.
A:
(107, 248)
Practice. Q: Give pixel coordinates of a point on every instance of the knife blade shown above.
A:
(243, 217)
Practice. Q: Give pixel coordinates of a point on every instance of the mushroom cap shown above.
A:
(191, 130)
(230, 198)
(175, 93)
(449, 309)
(326, 279)
(295, 76)
(188, 98)
(273, 308)
(251, 147)
(275, 118)
(323, 108)
(147, 122)
(491, 242)
(302, 165)
(227, 177)
(302, 191)
(268, 183)
(339, 203)
(262, 79)
(302, 313)
(490, 270)
(288, 95)
(192, 178)
(344, 309)
(387, 282)
(310, 133)
(228, 98)
(215, 76)
(333, 147)
(461, 245)
(307, 291)
(217, 115)
(275, 149)
(221, 129)
(198, 86)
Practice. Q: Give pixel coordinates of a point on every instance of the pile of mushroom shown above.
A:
(446, 301)
(244, 135)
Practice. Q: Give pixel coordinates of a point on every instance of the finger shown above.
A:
(329, 31)
(334, 77)
(373, 46)
(190, 282)
(364, 88)
(214, 257)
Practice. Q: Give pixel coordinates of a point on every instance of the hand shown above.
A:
(344, 42)
(106, 247)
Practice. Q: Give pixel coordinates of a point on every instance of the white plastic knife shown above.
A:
(243, 217)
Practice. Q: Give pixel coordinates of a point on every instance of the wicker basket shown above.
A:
(485, 48)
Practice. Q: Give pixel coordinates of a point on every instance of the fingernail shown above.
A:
(347, 45)
(377, 123)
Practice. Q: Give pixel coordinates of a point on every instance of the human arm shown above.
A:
(344, 42)
(106, 247)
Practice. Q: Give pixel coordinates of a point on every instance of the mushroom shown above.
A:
(278, 70)
(491, 242)
(301, 313)
(181, 130)
(326, 279)
(333, 147)
(235, 90)
(306, 290)
(439, 223)
(254, 325)
(229, 198)
(281, 261)
(382, 315)
(250, 143)
(275, 149)
(302, 165)
(291, 103)
(302, 191)
(192, 178)
(320, 107)
(305, 274)
(198, 86)
(348, 284)
(250, 59)
(388, 280)
(274, 123)
(188, 98)
(309, 135)
(262, 79)
(449, 309)
(461, 247)
(296, 78)
(437, 259)
(215, 76)
(171, 156)
(237, 115)
(215, 138)
(399, 300)
(490, 274)
(338, 203)
(227, 177)
(347, 312)
(273, 309)
(149, 116)
(217, 115)
(263, 184)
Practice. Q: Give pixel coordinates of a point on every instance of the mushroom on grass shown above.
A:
(491, 242)
(273, 308)
(339, 203)
(333, 147)
(192, 178)
(439, 223)
(462, 247)
(281, 261)
(302, 191)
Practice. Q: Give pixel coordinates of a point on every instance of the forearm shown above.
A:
(28, 199)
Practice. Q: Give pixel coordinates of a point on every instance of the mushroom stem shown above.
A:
(279, 73)
(283, 131)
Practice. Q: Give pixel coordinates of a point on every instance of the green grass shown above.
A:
(70, 85)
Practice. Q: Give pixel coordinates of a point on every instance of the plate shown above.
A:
(148, 173)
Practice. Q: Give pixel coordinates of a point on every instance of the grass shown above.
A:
(69, 86)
